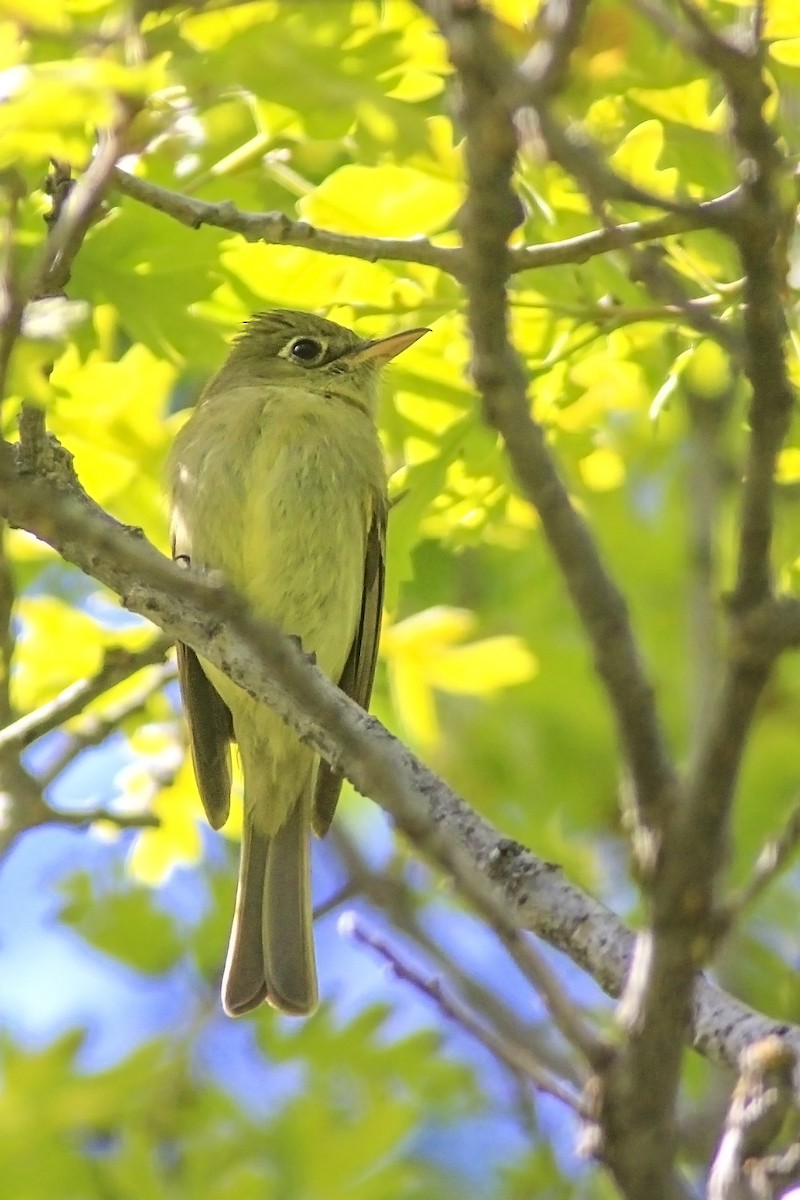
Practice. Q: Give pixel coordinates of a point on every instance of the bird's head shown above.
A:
(294, 349)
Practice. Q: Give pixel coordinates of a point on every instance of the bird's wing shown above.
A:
(210, 729)
(359, 670)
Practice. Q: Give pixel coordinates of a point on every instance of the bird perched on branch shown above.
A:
(278, 483)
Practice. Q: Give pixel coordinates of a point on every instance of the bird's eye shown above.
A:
(305, 349)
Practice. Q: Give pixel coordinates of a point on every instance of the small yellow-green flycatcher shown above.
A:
(278, 482)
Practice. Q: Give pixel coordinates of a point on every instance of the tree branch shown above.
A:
(535, 894)
(77, 211)
(259, 658)
(51, 270)
(388, 890)
(685, 923)
(761, 1101)
(580, 249)
(276, 229)
(95, 728)
(118, 664)
(636, 1121)
(82, 818)
(514, 1056)
(489, 215)
(775, 855)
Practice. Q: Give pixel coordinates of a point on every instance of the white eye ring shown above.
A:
(306, 350)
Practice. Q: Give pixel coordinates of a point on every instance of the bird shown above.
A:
(761, 1101)
(278, 485)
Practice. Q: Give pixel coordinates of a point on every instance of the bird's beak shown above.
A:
(384, 349)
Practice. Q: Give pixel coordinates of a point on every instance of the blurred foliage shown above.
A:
(342, 113)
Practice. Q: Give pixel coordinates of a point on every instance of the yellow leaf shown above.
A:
(44, 15)
(521, 513)
(58, 645)
(707, 370)
(388, 201)
(413, 702)
(110, 415)
(786, 51)
(783, 19)
(433, 627)
(689, 105)
(422, 656)
(638, 155)
(788, 467)
(307, 281)
(483, 667)
(13, 49)
(211, 30)
(60, 99)
(434, 415)
(23, 547)
(177, 841)
(610, 384)
(603, 470)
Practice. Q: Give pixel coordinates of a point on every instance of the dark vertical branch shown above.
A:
(11, 297)
(704, 484)
(635, 1119)
(491, 212)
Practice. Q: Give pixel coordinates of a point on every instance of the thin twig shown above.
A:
(118, 664)
(390, 891)
(775, 855)
(557, 32)
(514, 1056)
(96, 727)
(341, 896)
(83, 818)
(51, 269)
(760, 1104)
(279, 230)
(774, 1176)
(51, 274)
(12, 302)
(585, 246)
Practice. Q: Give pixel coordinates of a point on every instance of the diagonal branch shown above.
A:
(514, 1056)
(94, 728)
(391, 893)
(585, 246)
(211, 619)
(51, 270)
(118, 664)
(534, 895)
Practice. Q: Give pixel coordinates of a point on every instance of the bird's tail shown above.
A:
(271, 951)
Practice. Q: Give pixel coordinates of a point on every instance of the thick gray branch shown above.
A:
(535, 895)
